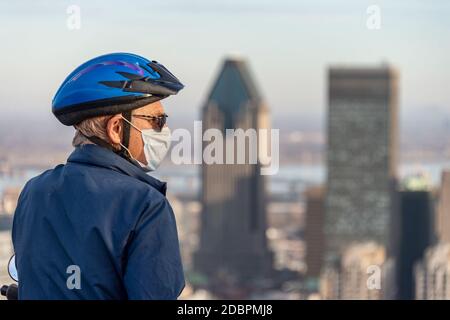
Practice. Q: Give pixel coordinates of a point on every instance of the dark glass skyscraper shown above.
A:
(233, 221)
(416, 234)
(361, 156)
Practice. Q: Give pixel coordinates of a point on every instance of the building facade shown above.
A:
(314, 237)
(360, 202)
(233, 242)
(363, 273)
(443, 209)
(432, 274)
(416, 234)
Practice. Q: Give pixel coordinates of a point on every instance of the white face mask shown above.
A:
(156, 145)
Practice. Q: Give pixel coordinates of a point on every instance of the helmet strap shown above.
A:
(126, 131)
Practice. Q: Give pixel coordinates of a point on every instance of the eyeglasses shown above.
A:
(156, 121)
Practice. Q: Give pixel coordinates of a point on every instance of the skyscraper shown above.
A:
(359, 273)
(314, 238)
(443, 209)
(416, 234)
(233, 220)
(361, 158)
(432, 274)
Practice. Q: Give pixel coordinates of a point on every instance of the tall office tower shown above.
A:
(433, 274)
(361, 157)
(314, 238)
(416, 234)
(443, 209)
(233, 240)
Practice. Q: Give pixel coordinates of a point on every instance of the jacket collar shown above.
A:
(91, 154)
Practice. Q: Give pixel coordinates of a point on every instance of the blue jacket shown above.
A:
(97, 227)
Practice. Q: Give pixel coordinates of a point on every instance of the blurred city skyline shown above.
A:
(290, 49)
(290, 46)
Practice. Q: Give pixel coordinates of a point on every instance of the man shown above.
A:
(100, 227)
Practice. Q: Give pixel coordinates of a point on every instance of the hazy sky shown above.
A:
(289, 45)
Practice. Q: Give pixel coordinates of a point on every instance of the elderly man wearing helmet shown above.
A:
(100, 227)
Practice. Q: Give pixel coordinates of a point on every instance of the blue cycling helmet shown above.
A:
(111, 84)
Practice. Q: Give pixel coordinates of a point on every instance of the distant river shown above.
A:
(187, 177)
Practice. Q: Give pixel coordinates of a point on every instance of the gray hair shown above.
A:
(95, 126)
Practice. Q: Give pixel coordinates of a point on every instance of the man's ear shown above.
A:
(114, 129)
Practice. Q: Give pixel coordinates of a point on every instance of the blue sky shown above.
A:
(289, 45)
